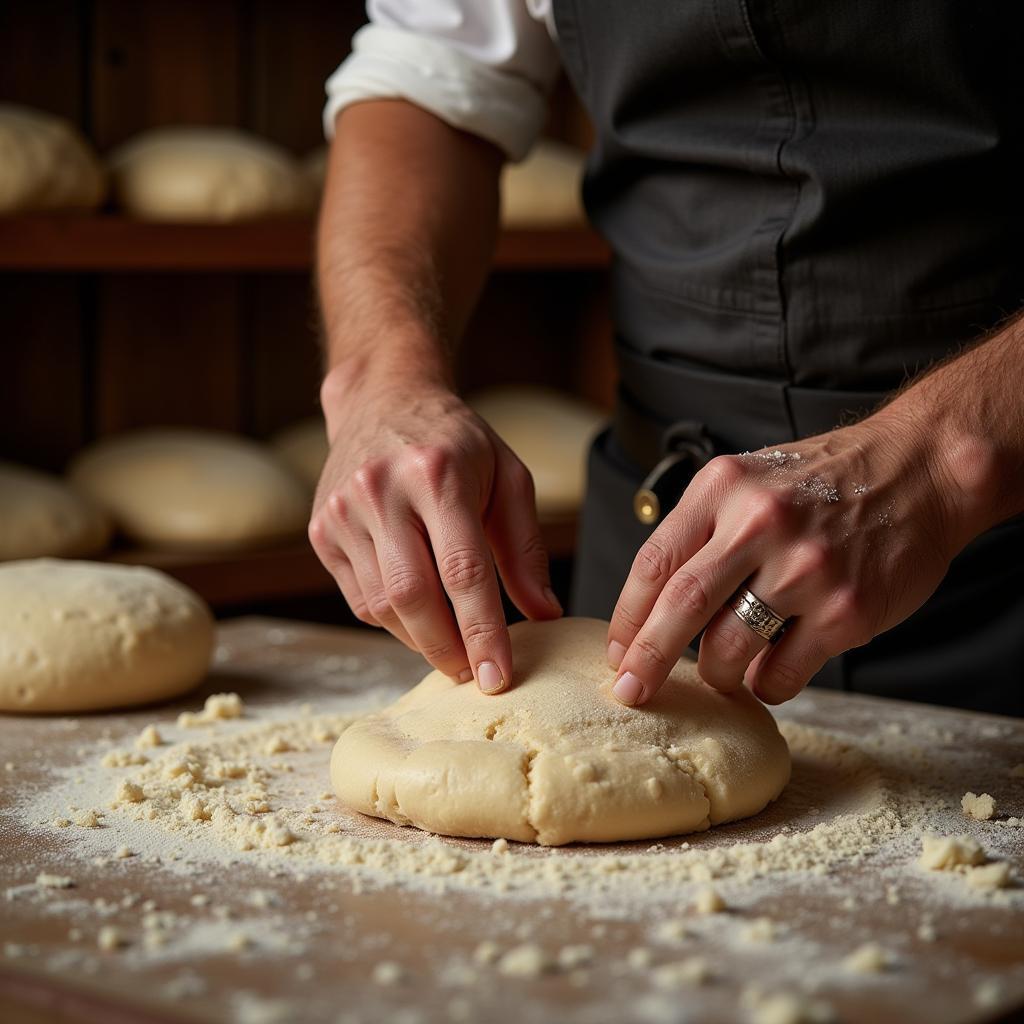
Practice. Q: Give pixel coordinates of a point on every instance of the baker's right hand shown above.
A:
(420, 498)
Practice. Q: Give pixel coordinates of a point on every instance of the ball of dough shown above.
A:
(45, 164)
(543, 190)
(192, 490)
(81, 636)
(303, 448)
(206, 174)
(551, 432)
(557, 759)
(40, 515)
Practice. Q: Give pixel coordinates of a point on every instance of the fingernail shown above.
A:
(616, 652)
(465, 675)
(628, 689)
(488, 675)
(552, 600)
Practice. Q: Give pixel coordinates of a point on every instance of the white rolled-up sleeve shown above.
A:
(483, 66)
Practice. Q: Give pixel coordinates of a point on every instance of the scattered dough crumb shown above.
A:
(86, 819)
(487, 952)
(784, 1008)
(571, 957)
(709, 901)
(123, 853)
(867, 959)
(499, 846)
(671, 931)
(683, 974)
(123, 758)
(946, 853)
(388, 973)
(989, 877)
(217, 706)
(45, 881)
(926, 932)
(110, 938)
(982, 808)
(128, 793)
(277, 745)
(761, 929)
(149, 737)
(526, 961)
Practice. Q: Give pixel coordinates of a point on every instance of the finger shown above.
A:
(467, 574)
(362, 555)
(690, 598)
(514, 536)
(414, 592)
(683, 533)
(781, 671)
(334, 561)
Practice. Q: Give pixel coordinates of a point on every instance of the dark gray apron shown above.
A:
(807, 200)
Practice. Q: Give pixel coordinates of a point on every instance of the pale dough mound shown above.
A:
(206, 174)
(192, 490)
(551, 433)
(82, 636)
(557, 759)
(40, 515)
(544, 190)
(45, 164)
(303, 448)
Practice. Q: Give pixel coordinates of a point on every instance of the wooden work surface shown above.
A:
(311, 957)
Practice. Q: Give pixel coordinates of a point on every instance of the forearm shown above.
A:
(407, 230)
(969, 412)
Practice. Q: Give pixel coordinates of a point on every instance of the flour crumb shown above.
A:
(487, 952)
(926, 931)
(946, 853)
(46, 881)
(110, 938)
(149, 737)
(989, 877)
(86, 818)
(709, 901)
(674, 930)
(761, 929)
(525, 961)
(128, 793)
(784, 1008)
(217, 706)
(499, 846)
(123, 853)
(870, 958)
(276, 745)
(571, 957)
(683, 974)
(387, 972)
(123, 759)
(981, 808)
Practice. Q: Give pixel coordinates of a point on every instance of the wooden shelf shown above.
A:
(111, 243)
(278, 573)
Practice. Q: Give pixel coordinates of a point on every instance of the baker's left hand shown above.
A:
(845, 534)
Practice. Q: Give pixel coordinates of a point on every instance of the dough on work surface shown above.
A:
(551, 432)
(544, 190)
(45, 164)
(303, 448)
(81, 636)
(192, 490)
(557, 759)
(40, 515)
(206, 174)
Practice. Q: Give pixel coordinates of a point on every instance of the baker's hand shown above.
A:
(846, 533)
(419, 498)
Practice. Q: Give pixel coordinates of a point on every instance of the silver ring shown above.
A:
(764, 621)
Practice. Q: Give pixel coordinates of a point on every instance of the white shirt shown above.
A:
(483, 66)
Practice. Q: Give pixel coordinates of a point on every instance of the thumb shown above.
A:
(514, 536)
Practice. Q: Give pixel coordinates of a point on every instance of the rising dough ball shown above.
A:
(303, 448)
(192, 490)
(40, 515)
(45, 164)
(543, 190)
(557, 759)
(81, 636)
(551, 432)
(206, 174)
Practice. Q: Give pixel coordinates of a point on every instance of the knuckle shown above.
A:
(317, 534)
(463, 569)
(767, 510)
(379, 606)
(437, 652)
(406, 590)
(811, 558)
(846, 616)
(626, 622)
(649, 654)
(520, 481)
(432, 464)
(686, 592)
(722, 472)
(481, 634)
(362, 613)
(729, 645)
(368, 481)
(653, 562)
(337, 507)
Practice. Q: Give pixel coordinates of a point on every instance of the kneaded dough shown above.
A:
(45, 164)
(303, 448)
(551, 432)
(206, 174)
(40, 515)
(557, 759)
(81, 636)
(544, 190)
(192, 490)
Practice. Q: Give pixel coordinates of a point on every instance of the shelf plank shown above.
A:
(71, 242)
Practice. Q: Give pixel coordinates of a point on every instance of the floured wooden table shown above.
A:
(213, 878)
